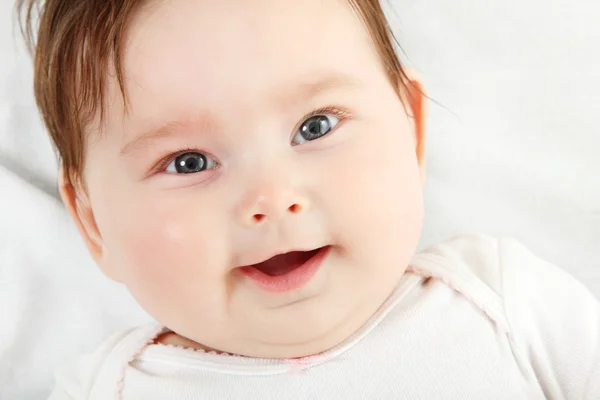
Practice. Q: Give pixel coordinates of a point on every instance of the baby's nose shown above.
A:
(270, 203)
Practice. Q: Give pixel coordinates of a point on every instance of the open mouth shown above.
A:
(283, 264)
(288, 271)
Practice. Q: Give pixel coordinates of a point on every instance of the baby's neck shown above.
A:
(173, 339)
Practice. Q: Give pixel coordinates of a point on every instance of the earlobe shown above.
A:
(416, 100)
(78, 205)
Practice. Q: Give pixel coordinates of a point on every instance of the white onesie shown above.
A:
(472, 318)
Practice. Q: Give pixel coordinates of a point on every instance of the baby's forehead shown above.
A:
(203, 53)
(264, 29)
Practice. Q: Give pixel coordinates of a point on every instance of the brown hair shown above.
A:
(76, 43)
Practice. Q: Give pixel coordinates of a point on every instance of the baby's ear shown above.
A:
(416, 104)
(77, 202)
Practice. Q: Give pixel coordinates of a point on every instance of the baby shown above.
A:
(252, 172)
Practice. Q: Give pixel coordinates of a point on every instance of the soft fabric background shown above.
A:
(513, 151)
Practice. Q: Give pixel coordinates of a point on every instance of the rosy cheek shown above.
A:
(162, 244)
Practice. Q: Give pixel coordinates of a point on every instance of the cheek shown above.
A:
(162, 241)
(380, 172)
(158, 240)
(377, 187)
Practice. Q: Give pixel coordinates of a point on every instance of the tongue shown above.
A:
(284, 263)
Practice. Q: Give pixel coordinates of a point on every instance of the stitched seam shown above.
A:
(450, 283)
(518, 354)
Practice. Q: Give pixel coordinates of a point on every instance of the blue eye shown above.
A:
(191, 163)
(314, 128)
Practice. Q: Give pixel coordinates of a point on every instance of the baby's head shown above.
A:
(197, 137)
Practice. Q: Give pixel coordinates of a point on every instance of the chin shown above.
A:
(301, 337)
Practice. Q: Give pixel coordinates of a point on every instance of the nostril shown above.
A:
(258, 217)
(294, 208)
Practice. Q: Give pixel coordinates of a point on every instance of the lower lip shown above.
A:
(290, 281)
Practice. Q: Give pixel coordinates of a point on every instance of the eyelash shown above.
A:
(164, 163)
(339, 112)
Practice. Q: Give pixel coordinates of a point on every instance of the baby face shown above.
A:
(254, 129)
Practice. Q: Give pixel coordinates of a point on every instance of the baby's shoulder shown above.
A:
(96, 375)
(502, 265)
(473, 258)
(551, 320)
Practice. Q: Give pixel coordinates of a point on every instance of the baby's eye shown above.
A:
(314, 128)
(191, 163)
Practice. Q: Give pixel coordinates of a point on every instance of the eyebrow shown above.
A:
(144, 140)
(288, 98)
(314, 86)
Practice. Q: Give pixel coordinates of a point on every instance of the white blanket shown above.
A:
(513, 150)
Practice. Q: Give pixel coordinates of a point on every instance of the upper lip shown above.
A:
(268, 256)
